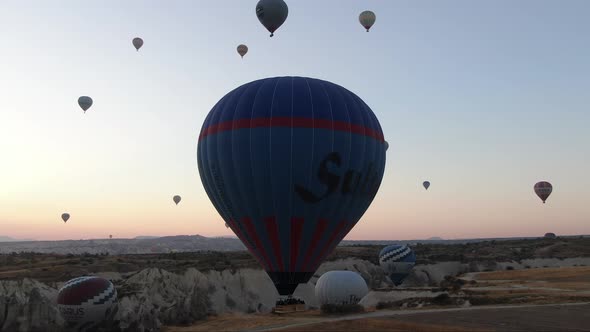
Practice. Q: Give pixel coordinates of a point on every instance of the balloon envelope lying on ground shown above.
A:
(397, 261)
(340, 287)
(291, 164)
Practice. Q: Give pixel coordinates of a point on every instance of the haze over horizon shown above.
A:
(482, 99)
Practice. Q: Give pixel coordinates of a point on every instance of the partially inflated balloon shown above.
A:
(397, 261)
(426, 184)
(242, 50)
(176, 199)
(137, 43)
(85, 102)
(543, 189)
(367, 19)
(65, 217)
(272, 14)
(291, 164)
(87, 302)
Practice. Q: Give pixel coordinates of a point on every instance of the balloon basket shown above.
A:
(288, 306)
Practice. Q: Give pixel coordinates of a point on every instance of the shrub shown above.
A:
(509, 267)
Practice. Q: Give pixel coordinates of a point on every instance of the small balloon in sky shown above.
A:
(242, 50)
(367, 19)
(65, 217)
(85, 102)
(176, 199)
(426, 184)
(543, 189)
(272, 14)
(137, 43)
(386, 145)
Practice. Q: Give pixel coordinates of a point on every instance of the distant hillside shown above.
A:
(145, 237)
(9, 239)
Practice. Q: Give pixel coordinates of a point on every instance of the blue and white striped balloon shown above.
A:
(397, 261)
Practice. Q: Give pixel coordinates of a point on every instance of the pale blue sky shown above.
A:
(482, 98)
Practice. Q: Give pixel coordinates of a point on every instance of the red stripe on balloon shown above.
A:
(273, 233)
(291, 123)
(252, 233)
(317, 235)
(296, 229)
(330, 244)
(236, 228)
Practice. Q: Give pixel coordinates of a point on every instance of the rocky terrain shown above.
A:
(180, 288)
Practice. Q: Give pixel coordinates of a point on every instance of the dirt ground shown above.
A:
(557, 289)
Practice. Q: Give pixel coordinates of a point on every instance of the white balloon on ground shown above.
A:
(340, 287)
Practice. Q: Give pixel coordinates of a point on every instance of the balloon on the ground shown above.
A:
(87, 302)
(137, 43)
(291, 164)
(242, 50)
(397, 261)
(85, 102)
(426, 184)
(367, 19)
(65, 217)
(176, 199)
(543, 189)
(272, 14)
(340, 287)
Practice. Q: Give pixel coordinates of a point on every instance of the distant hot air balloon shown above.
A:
(226, 225)
(340, 287)
(291, 164)
(87, 302)
(397, 261)
(272, 14)
(176, 199)
(426, 184)
(543, 189)
(110, 236)
(367, 19)
(65, 217)
(85, 102)
(242, 50)
(386, 145)
(137, 43)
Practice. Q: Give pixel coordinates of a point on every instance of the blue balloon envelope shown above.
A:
(291, 164)
(397, 261)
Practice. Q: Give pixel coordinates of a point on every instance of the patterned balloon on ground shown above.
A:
(291, 164)
(397, 261)
(543, 189)
(87, 302)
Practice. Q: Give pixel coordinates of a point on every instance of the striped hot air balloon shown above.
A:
(291, 164)
(87, 302)
(543, 189)
(397, 261)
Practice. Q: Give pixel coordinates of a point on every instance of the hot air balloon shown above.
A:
(85, 102)
(87, 302)
(176, 199)
(272, 14)
(110, 236)
(367, 19)
(543, 189)
(242, 50)
(137, 43)
(397, 261)
(426, 184)
(340, 287)
(386, 145)
(65, 217)
(291, 164)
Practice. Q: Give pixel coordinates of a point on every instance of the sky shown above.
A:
(481, 98)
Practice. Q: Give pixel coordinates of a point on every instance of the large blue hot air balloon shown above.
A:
(397, 261)
(291, 164)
